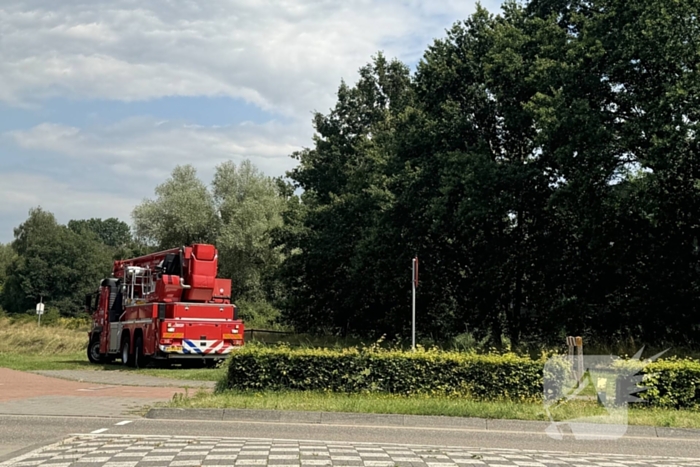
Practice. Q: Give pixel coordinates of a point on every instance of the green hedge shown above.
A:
(672, 383)
(352, 370)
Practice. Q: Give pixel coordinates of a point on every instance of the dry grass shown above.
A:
(28, 338)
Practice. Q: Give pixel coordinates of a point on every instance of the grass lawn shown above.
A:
(79, 361)
(423, 405)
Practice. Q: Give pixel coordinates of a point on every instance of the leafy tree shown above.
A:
(182, 213)
(55, 263)
(331, 277)
(112, 232)
(7, 255)
(543, 165)
(249, 206)
(115, 234)
(238, 215)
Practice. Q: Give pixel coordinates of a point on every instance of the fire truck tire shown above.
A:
(93, 350)
(127, 358)
(140, 360)
(212, 363)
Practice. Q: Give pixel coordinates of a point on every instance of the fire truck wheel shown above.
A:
(140, 360)
(126, 352)
(212, 363)
(93, 350)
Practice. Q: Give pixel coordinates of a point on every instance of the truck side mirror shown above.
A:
(88, 302)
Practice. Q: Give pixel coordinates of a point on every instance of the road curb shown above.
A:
(414, 421)
(321, 418)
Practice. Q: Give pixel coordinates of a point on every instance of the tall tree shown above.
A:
(541, 162)
(333, 281)
(7, 255)
(249, 206)
(182, 213)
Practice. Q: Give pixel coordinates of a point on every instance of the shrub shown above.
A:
(493, 376)
(672, 383)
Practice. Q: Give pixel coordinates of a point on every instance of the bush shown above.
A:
(353, 370)
(672, 383)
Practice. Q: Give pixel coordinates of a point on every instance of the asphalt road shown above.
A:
(19, 434)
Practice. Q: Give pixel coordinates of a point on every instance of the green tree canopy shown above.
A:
(542, 163)
(53, 262)
(249, 207)
(182, 213)
(7, 255)
(238, 215)
(112, 232)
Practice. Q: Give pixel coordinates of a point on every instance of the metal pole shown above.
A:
(413, 321)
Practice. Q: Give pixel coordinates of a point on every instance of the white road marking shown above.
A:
(125, 422)
(97, 432)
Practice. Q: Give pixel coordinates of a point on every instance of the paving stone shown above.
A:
(102, 450)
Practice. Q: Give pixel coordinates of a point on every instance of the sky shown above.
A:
(100, 100)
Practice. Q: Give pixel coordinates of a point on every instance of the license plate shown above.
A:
(174, 348)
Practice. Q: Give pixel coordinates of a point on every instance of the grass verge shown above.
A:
(424, 405)
(40, 340)
(24, 346)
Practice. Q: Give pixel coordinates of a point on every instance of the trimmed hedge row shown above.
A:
(351, 370)
(672, 383)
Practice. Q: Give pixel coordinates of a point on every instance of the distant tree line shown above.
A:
(542, 163)
(61, 263)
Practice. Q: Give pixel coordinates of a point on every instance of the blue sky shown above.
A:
(100, 100)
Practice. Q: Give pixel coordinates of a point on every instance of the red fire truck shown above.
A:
(168, 306)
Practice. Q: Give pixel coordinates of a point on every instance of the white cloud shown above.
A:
(21, 191)
(287, 56)
(147, 148)
(106, 171)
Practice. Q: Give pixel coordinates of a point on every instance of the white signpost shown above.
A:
(39, 311)
(414, 279)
